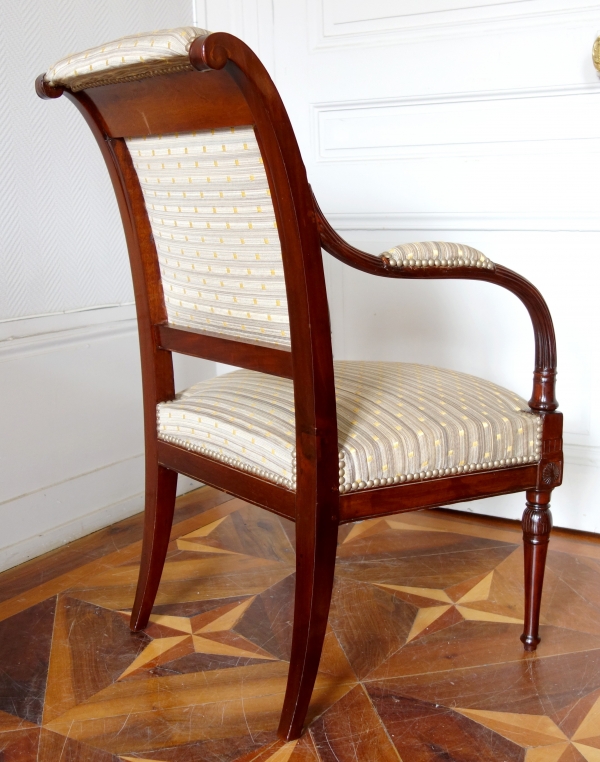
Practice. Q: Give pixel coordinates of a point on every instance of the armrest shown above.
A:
(451, 260)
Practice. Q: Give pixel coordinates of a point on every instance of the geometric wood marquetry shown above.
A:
(422, 659)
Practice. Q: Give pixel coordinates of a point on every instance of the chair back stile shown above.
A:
(312, 356)
(229, 73)
(157, 365)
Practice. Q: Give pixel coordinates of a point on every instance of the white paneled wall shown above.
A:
(70, 393)
(474, 121)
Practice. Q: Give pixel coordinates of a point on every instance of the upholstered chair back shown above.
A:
(210, 209)
(207, 197)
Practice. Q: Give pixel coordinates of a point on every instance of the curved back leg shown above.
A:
(537, 523)
(161, 485)
(315, 567)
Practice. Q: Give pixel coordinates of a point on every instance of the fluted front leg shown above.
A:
(537, 523)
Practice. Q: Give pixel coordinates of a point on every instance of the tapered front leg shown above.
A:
(161, 485)
(537, 524)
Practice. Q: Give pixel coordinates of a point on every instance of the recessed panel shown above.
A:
(459, 126)
(346, 12)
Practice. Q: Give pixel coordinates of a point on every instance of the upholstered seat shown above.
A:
(397, 422)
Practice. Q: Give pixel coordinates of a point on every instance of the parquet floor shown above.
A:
(422, 661)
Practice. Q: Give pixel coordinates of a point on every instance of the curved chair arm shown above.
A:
(543, 397)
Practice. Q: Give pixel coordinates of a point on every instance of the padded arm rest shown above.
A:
(425, 259)
(435, 254)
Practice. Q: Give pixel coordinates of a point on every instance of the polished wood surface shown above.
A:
(230, 86)
(381, 501)
(161, 487)
(186, 101)
(266, 359)
(239, 483)
(421, 659)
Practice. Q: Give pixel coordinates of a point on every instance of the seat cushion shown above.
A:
(397, 422)
(133, 57)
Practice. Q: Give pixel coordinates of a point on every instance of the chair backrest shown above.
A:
(210, 209)
(218, 216)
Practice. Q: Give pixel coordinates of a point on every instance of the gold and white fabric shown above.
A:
(213, 221)
(133, 57)
(436, 254)
(397, 423)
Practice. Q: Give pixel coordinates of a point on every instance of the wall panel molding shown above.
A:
(84, 504)
(72, 411)
(582, 455)
(56, 322)
(250, 20)
(396, 153)
(340, 23)
(465, 221)
(28, 346)
(540, 121)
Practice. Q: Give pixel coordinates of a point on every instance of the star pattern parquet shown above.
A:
(422, 660)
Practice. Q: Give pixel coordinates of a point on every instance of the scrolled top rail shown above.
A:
(210, 51)
(46, 91)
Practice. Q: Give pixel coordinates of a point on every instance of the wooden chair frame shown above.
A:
(228, 87)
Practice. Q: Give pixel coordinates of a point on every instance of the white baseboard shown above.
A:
(71, 394)
(101, 486)
(573, 503)
(101, 490)
(582, 455)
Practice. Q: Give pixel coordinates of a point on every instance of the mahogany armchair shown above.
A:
(225, 239)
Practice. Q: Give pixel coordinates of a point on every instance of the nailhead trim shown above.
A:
(403, 256)
(360, 484)
(439, 263)
(235, 462)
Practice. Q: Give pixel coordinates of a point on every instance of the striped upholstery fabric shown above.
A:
(213, 222)
(436, 254)
(397, 422)
(133, 57)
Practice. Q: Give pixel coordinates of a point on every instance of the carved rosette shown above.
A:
(596, 53)
(551, 474)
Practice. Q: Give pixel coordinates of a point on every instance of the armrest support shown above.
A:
(543, 397)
